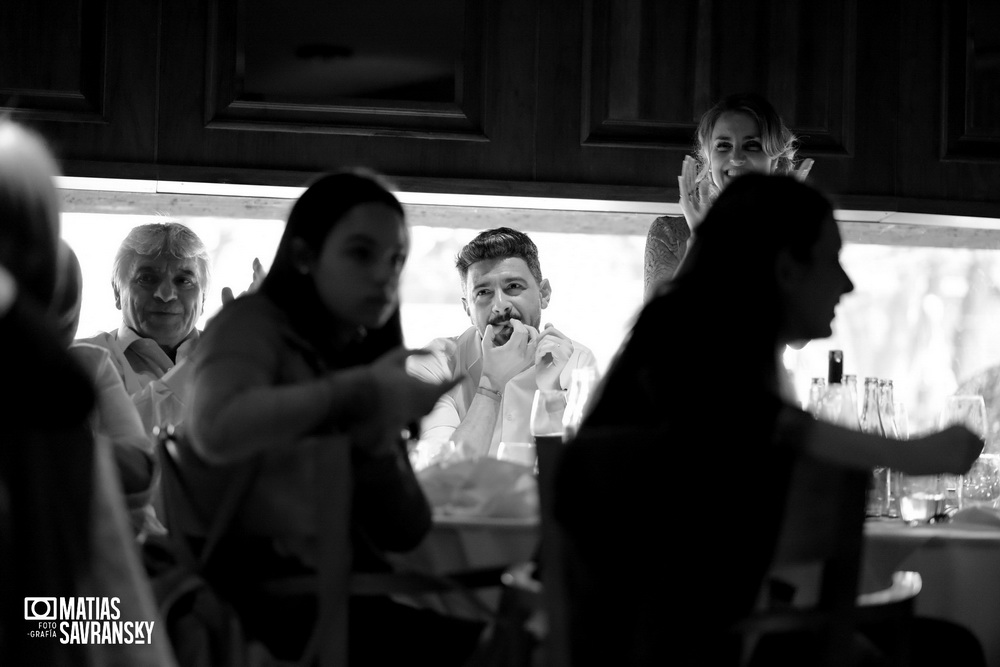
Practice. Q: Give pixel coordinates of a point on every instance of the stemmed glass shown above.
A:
(921, 497)
(981, 485)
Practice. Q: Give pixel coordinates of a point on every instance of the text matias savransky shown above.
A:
(85, 620)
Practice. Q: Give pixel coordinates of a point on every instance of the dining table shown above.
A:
(462, 547)
(959, 563)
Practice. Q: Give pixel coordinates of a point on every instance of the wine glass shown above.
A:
(980, 485)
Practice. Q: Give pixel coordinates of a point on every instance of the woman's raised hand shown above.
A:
(696, 196)
(802, 171)
(258, 277)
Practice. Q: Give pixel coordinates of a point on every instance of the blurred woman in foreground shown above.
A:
(63, 528)
(317, 351)
(702, 366)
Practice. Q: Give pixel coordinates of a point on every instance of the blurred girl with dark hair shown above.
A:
(318, 350)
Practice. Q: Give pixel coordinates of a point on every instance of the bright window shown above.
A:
(928, 318)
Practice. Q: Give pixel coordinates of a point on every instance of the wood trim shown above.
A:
(531, 220)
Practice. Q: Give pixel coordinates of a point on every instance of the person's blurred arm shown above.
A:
(237, 410)
(240, 405)
(666, 245)
(117, 420)
(952, 450)
(439, 425)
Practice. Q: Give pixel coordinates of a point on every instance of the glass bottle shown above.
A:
(887, 415)
(871, 422)
(886, 409)
(817, 389)
(838, 406)
(851, 381)
(581, 387)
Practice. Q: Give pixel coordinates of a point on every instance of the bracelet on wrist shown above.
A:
(492, 393)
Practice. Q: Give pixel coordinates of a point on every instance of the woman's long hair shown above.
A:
(320, 208)
(724, 295)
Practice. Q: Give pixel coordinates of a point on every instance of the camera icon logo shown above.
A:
(40, 609)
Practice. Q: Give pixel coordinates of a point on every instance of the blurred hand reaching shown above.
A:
(802, 171)
(258, 277)
(396, 399)
(952, 451)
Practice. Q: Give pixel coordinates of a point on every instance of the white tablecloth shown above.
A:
(959, 565)
(463, 544)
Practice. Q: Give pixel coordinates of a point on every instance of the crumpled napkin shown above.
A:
(482, 486)
(983, 516)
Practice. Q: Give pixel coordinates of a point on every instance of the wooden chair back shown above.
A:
(598, 611)
(551, 570)
(206, 514)
(618, 483)
(812, 589)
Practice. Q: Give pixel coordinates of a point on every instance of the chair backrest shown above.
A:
(596, 514)
(817, 559)
(555, 644)
(624, 557)
(186, 517)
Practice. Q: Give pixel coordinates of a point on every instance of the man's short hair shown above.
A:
(499, 243)
(155, 239)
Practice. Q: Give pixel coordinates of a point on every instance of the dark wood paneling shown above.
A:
(623, 83)
(232, 102)
(61, 75)
(208, 119)
(898, 102)
(83, 73)
(949, 134)
(972, 81)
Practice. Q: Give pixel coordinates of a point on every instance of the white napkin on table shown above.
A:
(483, 486)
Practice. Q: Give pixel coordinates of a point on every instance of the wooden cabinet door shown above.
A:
(624, 83)
(949, 130)
(267, 90)
(84, 74)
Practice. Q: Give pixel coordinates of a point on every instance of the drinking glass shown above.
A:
(899, 488)
(547, 410)
(921, 497)
(981, 485)
(546, 425)
(970, 410)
